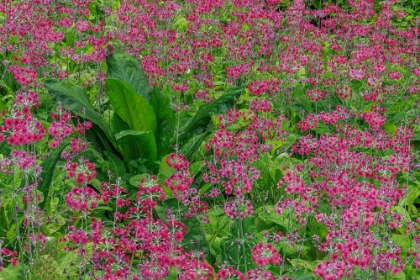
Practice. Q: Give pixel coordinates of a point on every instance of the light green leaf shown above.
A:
(133, 108)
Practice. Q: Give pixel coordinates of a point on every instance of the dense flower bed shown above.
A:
(209, 139)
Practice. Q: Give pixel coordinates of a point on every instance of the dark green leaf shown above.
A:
(47, 173)
(133, 108)
(189, 148)
(116, 165)
(137, 144)
(117, 124)
(201, 119)
(165, 118)
(77, 101)
(125, 67)
(195, 238)
(98, 140)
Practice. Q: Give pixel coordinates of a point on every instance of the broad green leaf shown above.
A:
(133, 108)
(47, 173)
(75, 99)
(267, 214)
(117, 124)
(181, 24)
(165, 118)
(4, 221)
(125, 67)
(218, 225)
(116, 165)
(193, 144)
(99, 142)
(195, 238)
(67, 263)
(137, 144)
(196, 167)
(165, 171)
(202, 118)
(136, 179)
(401, 211)
(400, 276)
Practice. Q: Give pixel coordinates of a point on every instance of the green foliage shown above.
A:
(126, 68)
(131, 107)
(75, 99)
(198, 123)
(48, 167)
(137, 144)
(165, 119)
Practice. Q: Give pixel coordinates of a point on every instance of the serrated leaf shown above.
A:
(126, 68)
(11, 273)
(309, 276)
(133, 108)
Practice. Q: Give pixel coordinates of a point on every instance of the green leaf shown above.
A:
(267, 214)
(99, 141)
(136, 179)
(195, 238)
(193, 144)
(137, 144)
(202, 118)
(196, 167)
(309, 276)
(401, 241)
(233, 251)
(165, 171)
(116, 165)
(180, 24)
(54, 225)
(401, 211)
(47, 173)
(11, 273)
(390, 128)
(400, 276)
(299, 263)
(75, 99)
(218, 224)
(133, 108)
(125, 67)
(117, 124)
(165, 118)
